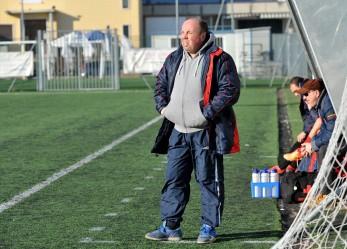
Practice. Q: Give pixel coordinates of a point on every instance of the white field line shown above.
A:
(97, 229)
(259, 242)
(111, 214)
(89, 240)
(126, 200)
(139, 188)
(180, 242)
(243, 242)
(18, 198)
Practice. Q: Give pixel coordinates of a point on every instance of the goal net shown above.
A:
(322, 219)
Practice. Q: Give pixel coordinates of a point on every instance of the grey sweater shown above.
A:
(184, 107)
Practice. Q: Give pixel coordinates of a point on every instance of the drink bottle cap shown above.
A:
(274, 171)
(256, 170)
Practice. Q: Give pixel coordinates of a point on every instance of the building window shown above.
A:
(275, 24)
(175, 42)
(32, 26)
(219, 42)
(126, 31)
(125, 4)
(6, 33)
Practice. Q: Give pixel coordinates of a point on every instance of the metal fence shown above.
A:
(90, 60)
(77, 60)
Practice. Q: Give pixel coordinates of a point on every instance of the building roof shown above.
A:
(29, 11)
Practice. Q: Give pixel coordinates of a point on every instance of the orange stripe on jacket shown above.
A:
(236, 146)
(207, 91)
(312, 161)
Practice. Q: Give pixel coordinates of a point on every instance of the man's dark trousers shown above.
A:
(188, 152)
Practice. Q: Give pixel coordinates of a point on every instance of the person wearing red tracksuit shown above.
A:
(195, 92)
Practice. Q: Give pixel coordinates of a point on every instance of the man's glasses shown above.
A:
(306, 94)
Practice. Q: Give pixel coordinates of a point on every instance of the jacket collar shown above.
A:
(321, 97)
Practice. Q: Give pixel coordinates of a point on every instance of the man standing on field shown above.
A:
(195, 92)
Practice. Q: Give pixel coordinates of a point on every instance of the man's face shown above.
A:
(192, 38)
(294, 88)
(311, 98)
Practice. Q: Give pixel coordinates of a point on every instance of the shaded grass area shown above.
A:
(46, 132)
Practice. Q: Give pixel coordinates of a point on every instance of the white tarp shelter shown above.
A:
(85, 41)
(73, 39)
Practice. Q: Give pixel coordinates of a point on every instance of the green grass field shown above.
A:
(112, 201)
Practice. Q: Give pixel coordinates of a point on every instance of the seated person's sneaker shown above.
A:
(207, 234)
(316, 200)
(165, 233)
(293, 156)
